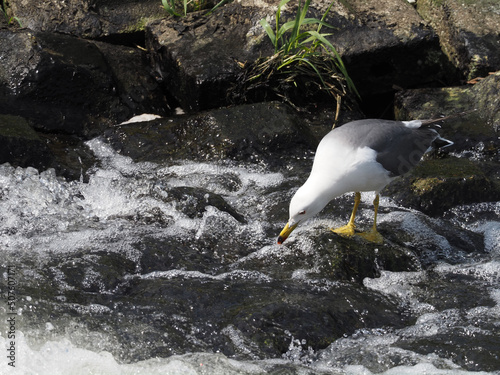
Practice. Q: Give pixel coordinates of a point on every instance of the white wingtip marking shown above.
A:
(413, 124)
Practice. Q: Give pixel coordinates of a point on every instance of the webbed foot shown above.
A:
(345, 231)
(372, 236)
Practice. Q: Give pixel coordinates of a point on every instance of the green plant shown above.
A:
(180, 8)
(10, 19)
(303, 58)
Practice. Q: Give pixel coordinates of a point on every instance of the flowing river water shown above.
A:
(67, 308)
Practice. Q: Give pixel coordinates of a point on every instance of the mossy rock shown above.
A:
(477, 110)
(468, 128)
(487, 99)
(435, 186)
(468, 32)
(16, 127)
(430, 102)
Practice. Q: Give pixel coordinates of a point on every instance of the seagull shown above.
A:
(361, 156)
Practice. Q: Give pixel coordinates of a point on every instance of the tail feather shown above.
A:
(455, 115)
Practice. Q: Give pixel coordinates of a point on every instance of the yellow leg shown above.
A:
(373, 235)
(348, 230)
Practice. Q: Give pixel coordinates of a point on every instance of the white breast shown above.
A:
(339, 169)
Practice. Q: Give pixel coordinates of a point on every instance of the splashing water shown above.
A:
(51, 228)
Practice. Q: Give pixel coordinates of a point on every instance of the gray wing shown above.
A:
(399, 155)
(399, 148)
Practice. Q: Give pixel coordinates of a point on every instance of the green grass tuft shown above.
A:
(304, 60)
(10, 20)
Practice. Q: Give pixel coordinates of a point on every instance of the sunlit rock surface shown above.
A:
(86, 18)
(468, 33)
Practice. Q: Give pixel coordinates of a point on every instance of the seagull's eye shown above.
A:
(302, 212)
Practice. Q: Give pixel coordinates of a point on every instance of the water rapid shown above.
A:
(125, 274)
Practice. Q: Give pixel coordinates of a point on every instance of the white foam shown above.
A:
(402, 286)
(491, 232)
(232, 275)
(32, 203)
(372, 351)
(418, 369)
(417, 226)
(63, 358)
(111, 160)
(471, 217)
(206, 175)
(43, 209)
(486, 271)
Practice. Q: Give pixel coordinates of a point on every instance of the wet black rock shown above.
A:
(201, 57)
(92, 272)
(257, 132)
(404, 249)
(170, 254)
(72, 158)
(354, 259)
(198, 56)
(61, 83)
(385, 44)
(477, 110)
(71, 17)
(24, 147)
(193, 202)
(21, 145)
(176, 307)
(337, 258)
(264, 315)
(73, 86)
(138, 90)
(454, 289)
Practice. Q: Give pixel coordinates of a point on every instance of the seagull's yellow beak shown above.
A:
(286, 232)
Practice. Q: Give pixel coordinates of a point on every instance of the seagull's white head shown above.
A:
(306, 203)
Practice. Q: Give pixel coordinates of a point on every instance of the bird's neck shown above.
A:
(326, 188)
(322, 191)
